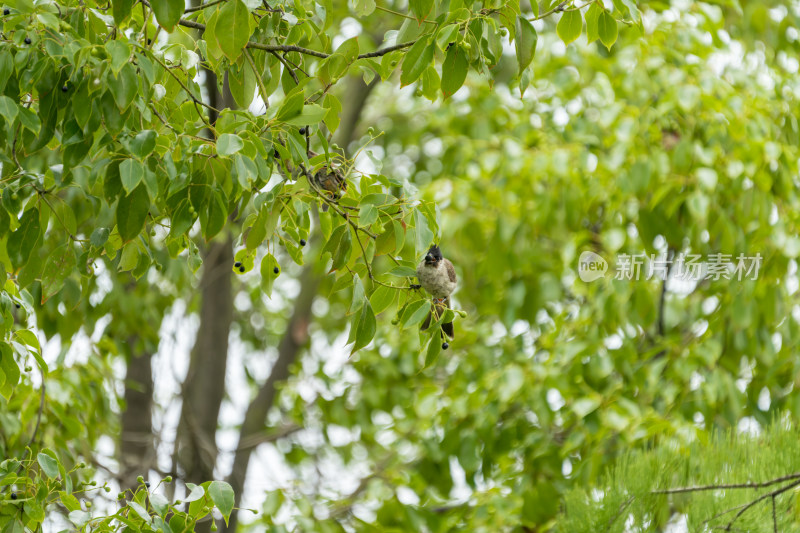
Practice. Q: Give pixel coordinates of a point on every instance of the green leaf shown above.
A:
(415, 313)
(420, 8)
(49, 464)
(403, 272)
(143, 143)
(30, 120)
(525, 42)
(8, 109)
(268, 275)
(434, 349)
(129, 257)
(333, 110)
(222, 495)
(570, 26)
(367, 215)
(311, 114)
(431, 83)
(454, 70)
(212, 220)
(365, 327)
(99, 237)
(131, 172)
(132, 213)
(196, 492)
(121, 10)
(9, 368)
(168, 12)
(59, 265)
(423, 236)
(242, 82)
(382, 298)
(28, 338)
(359, 297)
(342, 255)
(159, 503)
(416, 61)
(119, 52)
(124, 87)
(23, 241)
(592, 15)
(140, 510)
(291, 106)
(259, 230)
(607, 28)
(229, 144)
(69, 501)
(79, 518)
(233, 28)
(34, 510)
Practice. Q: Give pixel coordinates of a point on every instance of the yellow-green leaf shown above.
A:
(570, 26)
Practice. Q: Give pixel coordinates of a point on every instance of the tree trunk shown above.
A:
(137, 448)
(204, 387)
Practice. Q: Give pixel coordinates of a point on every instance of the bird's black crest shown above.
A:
(435, 252)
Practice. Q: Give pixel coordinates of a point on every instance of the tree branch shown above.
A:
(747, 485)
(300, 49)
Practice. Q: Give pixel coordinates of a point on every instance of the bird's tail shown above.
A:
(439, 308)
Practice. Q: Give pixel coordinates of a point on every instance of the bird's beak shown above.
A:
(429, 260)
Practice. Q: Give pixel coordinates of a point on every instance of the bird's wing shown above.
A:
(451, 272)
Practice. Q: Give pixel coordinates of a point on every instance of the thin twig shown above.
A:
(774, 517)
(387, 10)
(748, 485)
(619, 512)
(259, 81)
(202, 6)
(197, 101)
(288, 67)
(300, 49)
(771, 494)
(559, 8)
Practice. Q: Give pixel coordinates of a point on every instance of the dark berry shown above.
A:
(241, 268)
(27, 40)
(17, 305)
(13, 495)
(276, 270)
(64, 88)
(6, 11)
(302, 242)
(237, 264)
(445, 346)
(303, 130)
(147, 484)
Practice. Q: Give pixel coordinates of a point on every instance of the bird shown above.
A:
(329, 179)
(438, 277)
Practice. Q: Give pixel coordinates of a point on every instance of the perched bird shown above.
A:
(329, 179)
(437, 276)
